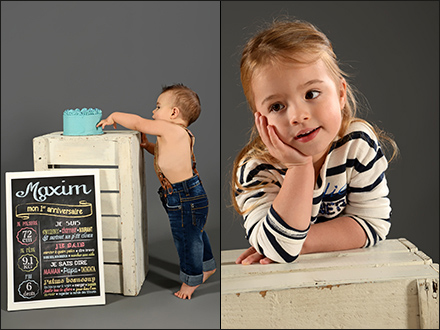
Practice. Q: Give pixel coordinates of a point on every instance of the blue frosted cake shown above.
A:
(82, 122)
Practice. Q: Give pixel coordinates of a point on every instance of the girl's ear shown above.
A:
(175, 112)
(343, 93)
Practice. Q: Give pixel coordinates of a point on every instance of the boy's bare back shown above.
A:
(174, 154)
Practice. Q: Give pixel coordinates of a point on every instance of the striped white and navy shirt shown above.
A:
(351, 183)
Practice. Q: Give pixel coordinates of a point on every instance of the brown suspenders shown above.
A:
(165, 183)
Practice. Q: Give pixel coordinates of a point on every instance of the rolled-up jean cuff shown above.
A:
(191, 280)
(209, 265)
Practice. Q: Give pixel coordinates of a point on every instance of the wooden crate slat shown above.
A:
(322, 278)
(428, 307)
(113, 278)
(41, 153)
(341, 260)
(112, 251)
(110, 203)
(140, 202)
(380, 305)
(97, 152)
(389, 245)
(129, 152)
(111, 227)
(109, 177)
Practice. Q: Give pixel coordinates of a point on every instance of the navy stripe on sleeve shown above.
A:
(257, 195)
(358, 166)
(283, 254)
(352, 136)
(298, 234)
(249, 233)
(367, 188)
(263, 167)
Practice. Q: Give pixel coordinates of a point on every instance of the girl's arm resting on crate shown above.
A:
(343, 233)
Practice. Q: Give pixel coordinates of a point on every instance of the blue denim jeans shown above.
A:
(187, 209)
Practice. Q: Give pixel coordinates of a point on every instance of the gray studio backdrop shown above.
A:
(391, 50)
(116, 56)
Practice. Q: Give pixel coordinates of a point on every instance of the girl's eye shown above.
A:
(312, 95)
(276, 107)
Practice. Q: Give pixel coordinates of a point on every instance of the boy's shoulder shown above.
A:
(176, 131)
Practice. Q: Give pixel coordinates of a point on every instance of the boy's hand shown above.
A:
(286, 154)
(147, 145)
(107, 122)
(144, 141)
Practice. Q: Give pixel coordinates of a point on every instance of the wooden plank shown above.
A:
(40, 146)
(411, 247)
(333, 261)
(335, 268)
(110, 203)
(113, 278)
(140, 221)
(111, 227)
(428, 303)
(128, 236)
(112, 251)
(378, 305)
(318, 278)
(132, 231)
(109, 177)
(389, 245)
(69, 150)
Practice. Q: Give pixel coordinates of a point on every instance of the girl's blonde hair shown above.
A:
(282, 42)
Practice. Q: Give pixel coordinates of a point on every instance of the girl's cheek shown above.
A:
(271, 119)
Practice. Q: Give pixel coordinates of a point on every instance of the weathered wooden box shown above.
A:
(391, 285)
(123, 197)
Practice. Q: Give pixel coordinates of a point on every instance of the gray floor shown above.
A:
(154, 308)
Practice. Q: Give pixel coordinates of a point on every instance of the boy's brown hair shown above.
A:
(186, 100)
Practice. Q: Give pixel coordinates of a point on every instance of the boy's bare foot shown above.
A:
(207, 274)
(186, 291)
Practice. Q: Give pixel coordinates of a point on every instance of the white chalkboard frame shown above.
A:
(56, 302)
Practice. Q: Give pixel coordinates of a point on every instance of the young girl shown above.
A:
(311, 179)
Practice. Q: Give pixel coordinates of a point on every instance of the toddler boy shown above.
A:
(181, 192)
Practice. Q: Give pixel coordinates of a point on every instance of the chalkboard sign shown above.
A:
(54, 239)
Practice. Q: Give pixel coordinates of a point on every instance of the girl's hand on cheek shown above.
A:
(286, 154)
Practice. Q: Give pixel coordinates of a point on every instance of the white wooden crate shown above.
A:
(391, 285)
(123, 197)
